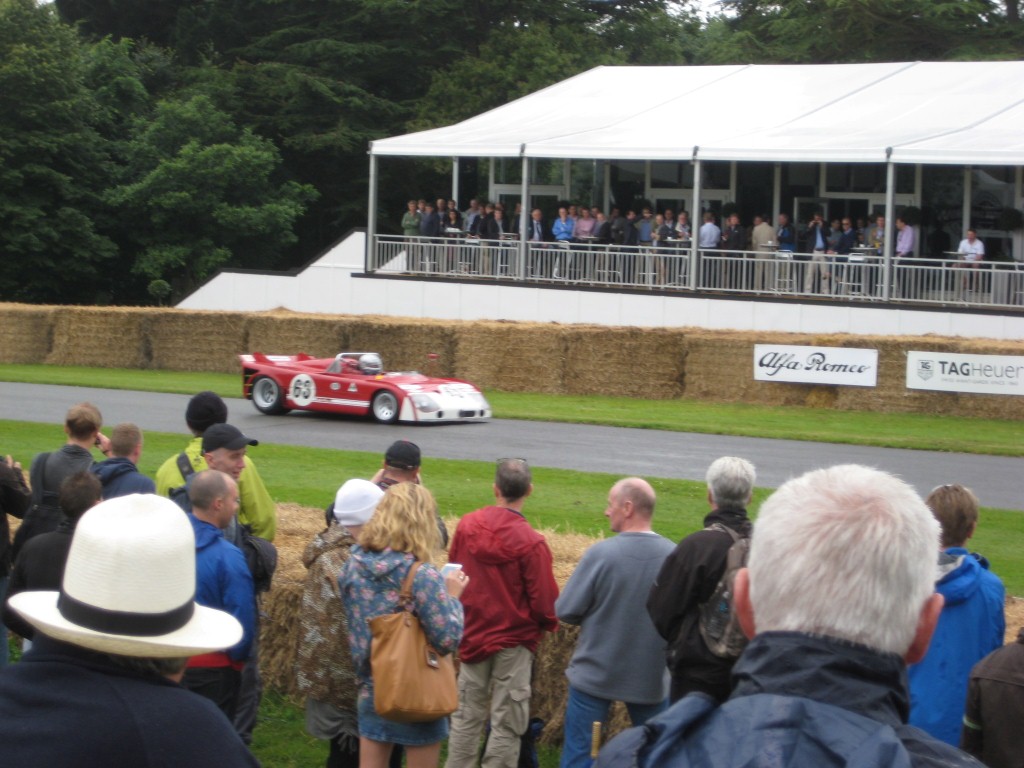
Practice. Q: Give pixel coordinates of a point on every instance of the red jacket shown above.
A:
(510, 598)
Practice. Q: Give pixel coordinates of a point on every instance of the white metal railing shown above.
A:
(857, 277)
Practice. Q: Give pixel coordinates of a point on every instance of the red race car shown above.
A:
(356, 383)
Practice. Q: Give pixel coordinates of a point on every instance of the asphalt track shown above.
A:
(649, 453)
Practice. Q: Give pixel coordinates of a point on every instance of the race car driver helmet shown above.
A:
(371, 363)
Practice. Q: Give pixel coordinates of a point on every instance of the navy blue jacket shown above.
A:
(120, 477)
(799, 701)
(65, 706)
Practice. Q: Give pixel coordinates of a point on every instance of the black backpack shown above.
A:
(260, 554)
(719, 626)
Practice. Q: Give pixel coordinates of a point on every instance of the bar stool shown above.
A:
(784, 279)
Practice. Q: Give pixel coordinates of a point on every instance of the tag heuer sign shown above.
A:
(978, 374)
(816, 365)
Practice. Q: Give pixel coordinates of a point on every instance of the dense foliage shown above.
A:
(152, 143)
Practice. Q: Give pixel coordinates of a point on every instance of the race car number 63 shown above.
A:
(302, 390)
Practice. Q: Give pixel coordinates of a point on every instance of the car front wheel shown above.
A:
(267, 396)
(385, 407)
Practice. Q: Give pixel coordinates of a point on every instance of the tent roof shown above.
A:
(925, 112)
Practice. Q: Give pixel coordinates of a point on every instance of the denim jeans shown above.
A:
(581, 713)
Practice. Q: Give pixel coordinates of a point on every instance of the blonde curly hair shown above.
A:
(405, 521)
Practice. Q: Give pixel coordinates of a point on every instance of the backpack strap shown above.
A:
(726, 529)
(185, 466)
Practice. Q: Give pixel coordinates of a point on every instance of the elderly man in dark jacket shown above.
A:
(838, 597)
(690, 575)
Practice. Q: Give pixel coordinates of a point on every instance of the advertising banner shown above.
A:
(952, 372)
(816, 365)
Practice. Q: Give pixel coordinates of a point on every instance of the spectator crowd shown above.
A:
(849, 624)
(651, 247)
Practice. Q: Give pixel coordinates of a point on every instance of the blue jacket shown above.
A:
(970, 627)
(223, 581)
(799, 701)
(65, 706)
(121, 477)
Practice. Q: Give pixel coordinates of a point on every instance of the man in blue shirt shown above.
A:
(223, 581)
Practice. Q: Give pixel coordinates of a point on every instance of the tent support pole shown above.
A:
(369, 257)
(695, 220)
(455, 180)
(524, 216)
(776, 194)
(890, 225)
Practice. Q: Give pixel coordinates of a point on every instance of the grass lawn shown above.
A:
(892, 430)
(563, 501)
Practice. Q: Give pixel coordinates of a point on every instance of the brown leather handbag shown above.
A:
(412, 682)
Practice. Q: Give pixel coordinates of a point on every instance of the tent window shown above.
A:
(716, 175)
(855, 177)
(508, 170)
(672, 175)
(544, 171)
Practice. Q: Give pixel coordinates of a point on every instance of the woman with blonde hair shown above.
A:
(402, 531)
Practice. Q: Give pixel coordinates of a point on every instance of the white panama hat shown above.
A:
(129, 586)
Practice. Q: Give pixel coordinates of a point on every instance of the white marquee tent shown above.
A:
(926, 112)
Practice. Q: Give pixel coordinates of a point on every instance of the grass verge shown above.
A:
(928, 432)
(563, 500)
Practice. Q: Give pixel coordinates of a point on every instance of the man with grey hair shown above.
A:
(690, 575)
(838, 597)
(605, 597)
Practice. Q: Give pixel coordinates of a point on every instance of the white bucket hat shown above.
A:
(356, 501)
(129, 586)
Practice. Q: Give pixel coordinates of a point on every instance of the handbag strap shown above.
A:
(405, 596)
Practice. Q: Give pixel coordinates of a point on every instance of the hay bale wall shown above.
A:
(715, 366)
(172, 339)
(26, 333)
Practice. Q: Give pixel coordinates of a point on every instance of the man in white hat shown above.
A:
(99, 687)
(323, 666)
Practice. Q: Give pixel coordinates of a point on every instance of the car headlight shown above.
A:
(424, 403)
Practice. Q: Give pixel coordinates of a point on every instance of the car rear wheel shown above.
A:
(385, 407)
(267, 396)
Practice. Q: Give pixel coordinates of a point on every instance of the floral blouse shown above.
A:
(370, 583)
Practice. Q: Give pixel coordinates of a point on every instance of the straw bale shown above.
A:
(26, 333)
(624, 362)
(514, 357)
(288, 333)
(720, 365)
(1014, 618)
(195, 341)
(103, 337)
(405, 344)
(279, 632)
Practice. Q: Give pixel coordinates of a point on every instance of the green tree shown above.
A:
(841, 31)
(54, 163)
(204, 194)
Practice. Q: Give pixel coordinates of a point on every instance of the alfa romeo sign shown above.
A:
(816, 365)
